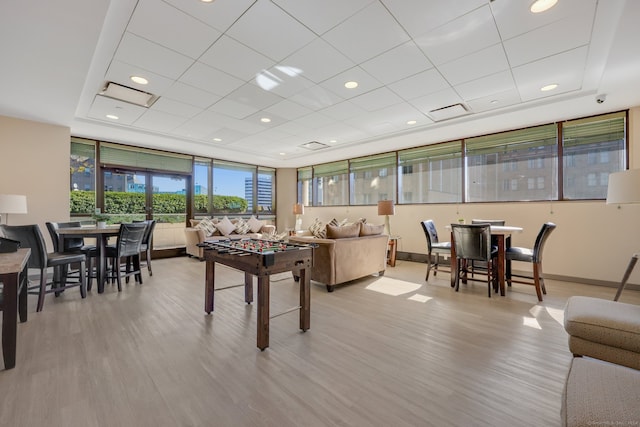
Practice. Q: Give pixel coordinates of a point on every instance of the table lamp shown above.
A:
(386, 208)
(298, 210)
(12, 204)
(624, 188)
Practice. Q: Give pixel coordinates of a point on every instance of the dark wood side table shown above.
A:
(13, 275)
(393, 250)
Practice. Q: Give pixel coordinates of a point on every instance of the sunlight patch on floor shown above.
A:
(530, 322)
(420, 298)
(556, 314)
(393, 287)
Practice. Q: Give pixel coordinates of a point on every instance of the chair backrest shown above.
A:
(148, 233)
(70, 244)
(29, 236)
(430, 233)
(488, 221)
(543, 235)
(130, 239)
(472, 241)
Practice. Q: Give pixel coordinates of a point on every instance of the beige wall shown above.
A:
(286, 183)
(34, 161)
(593, 242)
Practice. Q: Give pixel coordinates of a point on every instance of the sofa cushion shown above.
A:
(317, 228)
(346, 231)
(255, 225)
(242, 226)
(207, 226)
(225, 226)
(370, 229)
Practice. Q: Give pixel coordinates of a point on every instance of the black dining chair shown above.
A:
(30, 236)
(127, 248)
(71, 244)
(477, 265)
(534, 256)
(147, 242)
(434, 247)
(472, 242)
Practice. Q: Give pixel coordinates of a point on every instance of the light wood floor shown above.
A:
(389, 351)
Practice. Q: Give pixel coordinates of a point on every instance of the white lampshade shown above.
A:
(624, 187)
(13, 204)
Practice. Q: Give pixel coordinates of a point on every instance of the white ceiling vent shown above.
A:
(314, 145)
(446, 113)
(127, 94)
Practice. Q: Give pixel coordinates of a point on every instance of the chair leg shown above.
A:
(83, 280)
(457, 274)
(148, 256)
(436, 265)
(428, 267)
(117, 273)
(536, 280)
(89, 274)
(138, 268)
(43, 289)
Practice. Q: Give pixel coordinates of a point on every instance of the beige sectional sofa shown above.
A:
(338, 259)
(603, 383)
(195, 235)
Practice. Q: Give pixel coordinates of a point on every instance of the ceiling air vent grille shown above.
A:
(314, 145)
(449, 112)
(127, 94)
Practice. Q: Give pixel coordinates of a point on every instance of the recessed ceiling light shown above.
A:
(333, 141)
(217, 139)
(265, 120)
(283, 154)
(412, 122)
(139, 80)
(351, 85)
(207, 1)
(112, 117)
(542, 5)
(548, 87)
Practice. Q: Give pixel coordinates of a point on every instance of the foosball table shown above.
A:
(261, 258)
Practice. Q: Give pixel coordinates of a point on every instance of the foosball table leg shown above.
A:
(305, 299)
(248, 288)
(263, 312)
(209, 287)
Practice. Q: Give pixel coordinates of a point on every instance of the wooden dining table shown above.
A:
(501, 234)
(13, 275)
(101, 234)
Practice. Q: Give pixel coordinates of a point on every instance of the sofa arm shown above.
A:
(194, 236)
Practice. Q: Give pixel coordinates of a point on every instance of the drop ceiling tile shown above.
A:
(316, 98)
(120, 72)
(210, 79)
(420, 84)
(377, 99)
(254, 96)
(159, 121)
(282, 80)
(220, 14)
(126, 113)
(343, 110)
(176, 108)
(341, 133)
(498, 82)
(557, 37)
(318, 61)
(288, 109)
(227, 135)
(232, 108)
(494, 101)
(366, 83)
(397, 63)
(565, 69)
(479, 64)
(157, 59)
(367, 34)
(314, 120)
(270, 31)
(295, 128)
(235, 59)
(324, 15)
(163, 24)
(436, 100)
(463, 36)
(190, 95)
(514, 17)
(419, 16)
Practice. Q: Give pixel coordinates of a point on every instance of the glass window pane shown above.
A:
(169, 210)
(124, 196)
(266, 191)
(232, 187)
(373, 178)
(305, 181)
(527, 158)
(331, 184)
(82, 177)
(201, 173)
(592, 149)
(431, 174)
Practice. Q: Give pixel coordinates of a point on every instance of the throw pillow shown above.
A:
(242, 226)
(337, 232)
(343, 222)
(207, 226)
(317, 229)
(371, 230)
(225, 226)
(255, 225)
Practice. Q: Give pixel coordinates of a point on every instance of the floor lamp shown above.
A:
(298, 210)
(624, 188)
(12, 204)
(386, 208)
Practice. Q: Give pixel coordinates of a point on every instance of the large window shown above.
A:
(331, 184)
(372, 179)
(82, 169)
(305, 186)
(525, 158)
(431, 174)
(592, 149)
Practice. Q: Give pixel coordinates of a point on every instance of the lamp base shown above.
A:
(387, 226)
(298, 225)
